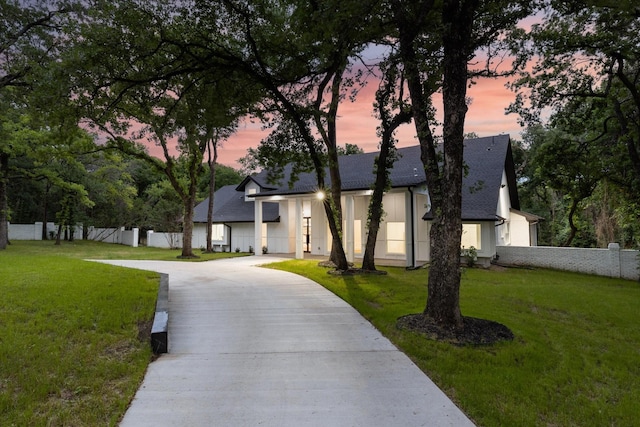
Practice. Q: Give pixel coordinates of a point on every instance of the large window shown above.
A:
(395, 238)
(217, 232)
(471, 236)
(357, 236)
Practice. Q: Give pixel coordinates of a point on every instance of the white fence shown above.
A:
(611, 262)
(109, 235)
(119, 235)
(164, 240)
(29, 231)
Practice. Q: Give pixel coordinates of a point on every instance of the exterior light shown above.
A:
(320, 195)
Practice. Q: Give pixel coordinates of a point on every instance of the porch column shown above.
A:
(257, 245)
(348, 232)
(298, 225)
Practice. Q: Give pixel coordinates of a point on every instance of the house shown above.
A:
(291, 219)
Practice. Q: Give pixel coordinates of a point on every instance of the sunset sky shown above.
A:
(357, 125)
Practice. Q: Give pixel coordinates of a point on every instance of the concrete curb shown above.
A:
(160, 328)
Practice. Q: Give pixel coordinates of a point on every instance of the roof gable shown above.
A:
(485, 160)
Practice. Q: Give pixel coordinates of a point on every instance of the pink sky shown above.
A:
(357, 125)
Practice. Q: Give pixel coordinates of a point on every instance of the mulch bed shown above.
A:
(475, 331)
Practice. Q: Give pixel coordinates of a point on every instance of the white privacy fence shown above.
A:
(611, 262)
(118, 235)
(29, 231)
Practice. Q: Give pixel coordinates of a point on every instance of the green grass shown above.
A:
(84, 249)
(575, 360)
(74, 335)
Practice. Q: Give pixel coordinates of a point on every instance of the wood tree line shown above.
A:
(168, 75)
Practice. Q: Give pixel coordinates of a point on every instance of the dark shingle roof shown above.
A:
(229, 206)
(486, 159)
(356, 173)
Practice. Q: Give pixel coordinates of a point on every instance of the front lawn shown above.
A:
(87, 249)
(74, 335)
(574, 361)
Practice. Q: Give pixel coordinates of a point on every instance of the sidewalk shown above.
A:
(250, 346)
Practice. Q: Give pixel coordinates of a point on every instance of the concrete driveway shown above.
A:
(250, 346)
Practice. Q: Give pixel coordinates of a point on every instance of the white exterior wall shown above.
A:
(199, 238)
(520, 231)
(611, 262)
(395, 211)
(290, 218)
(281, 235)
(164, 240)
(319, 229)
(361, 210)
(250, 188)
(487, 239)
(504, 200)
(242, 236)
(423, 229)
(503, 232)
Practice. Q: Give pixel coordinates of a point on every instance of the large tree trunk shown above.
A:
(333, 209)
(213, 158)
(187, 230)
(59, 234)
(338, 256)
(384, 162)
(443, 301)
(375, 204)
(4, 205)
(189, 205)
(572, 225)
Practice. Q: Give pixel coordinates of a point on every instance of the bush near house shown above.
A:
(573, 360)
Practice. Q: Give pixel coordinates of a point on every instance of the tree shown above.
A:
(392, 113)
(299, 53)
(225, 175)
(576, 176)
(28, 42)
(111, 186)
(142, 91)
(436, 43)
(586, 53)
(349, 149)
(213, 114)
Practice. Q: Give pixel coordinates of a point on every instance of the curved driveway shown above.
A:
(250, 346)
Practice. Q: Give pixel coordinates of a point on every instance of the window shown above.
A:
(471, 236)
(395, 238)
(248, 192)
(357, 236)
(217, 232)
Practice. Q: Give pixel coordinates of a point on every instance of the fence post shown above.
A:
(614, 259)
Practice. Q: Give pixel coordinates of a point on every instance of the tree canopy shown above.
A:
(170, 91)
